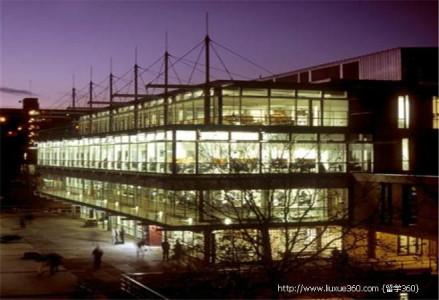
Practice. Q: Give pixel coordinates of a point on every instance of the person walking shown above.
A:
(54, 261)
(22, 223)
(122, 235)
(97, 254)
(165, 249)
(141, 247)
(178, 250)
(114, 235)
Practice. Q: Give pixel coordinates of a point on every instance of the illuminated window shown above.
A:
(408, 245)
(403, 111)
(405, 154)
(435, 112)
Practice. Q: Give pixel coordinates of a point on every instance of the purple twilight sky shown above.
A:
(43, 43)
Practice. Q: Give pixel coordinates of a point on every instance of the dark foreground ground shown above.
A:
(50, 232)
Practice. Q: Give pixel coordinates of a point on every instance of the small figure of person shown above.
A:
(114, 239)
(54, 261)
(29, 218)
(22, 223)
(165, 248)
(51, 261)
(178, 250)
(122, 235)
(43, 259)
(141, 248)
(97, 256)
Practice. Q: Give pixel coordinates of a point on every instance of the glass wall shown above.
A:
(185, 206)
(360, 153)
(305, 241)
(240, 106)
(213, 152)
(187, 108)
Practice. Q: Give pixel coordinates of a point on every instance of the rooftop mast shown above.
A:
(90, 100)
(136, 91)
(207, 83)
(166, 57)
(73, 92)
(90, 89)
(110, 125)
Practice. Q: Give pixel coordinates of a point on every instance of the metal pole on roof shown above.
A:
(73, 92)
(90, 100)
(166, 57)
(110, 119)
(90, 89)
(136, 91)
(207, 89)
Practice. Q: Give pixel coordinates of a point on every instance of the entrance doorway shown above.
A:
(153, 235)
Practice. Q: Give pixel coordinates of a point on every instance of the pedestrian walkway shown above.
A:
(54, 233)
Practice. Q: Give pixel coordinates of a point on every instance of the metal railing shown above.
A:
(133, 287)
(423, 264)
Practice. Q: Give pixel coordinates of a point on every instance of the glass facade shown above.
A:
(238, 246)
(212, 152)
(229, 106)
(255, 131)
(188, 207)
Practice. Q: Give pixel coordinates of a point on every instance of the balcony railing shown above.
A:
(130, 285)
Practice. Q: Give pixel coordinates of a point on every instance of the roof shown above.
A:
(347, 60)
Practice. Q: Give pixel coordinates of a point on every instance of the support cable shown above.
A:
(242, 57)
(195, 65)
(187, 53)
(126, 85)
(218, 69)
(158, 75)
(149, 67)
(175, 72)
(59, 99)
(201, 71)
(222, 62)
(69, 93)
(101, 92)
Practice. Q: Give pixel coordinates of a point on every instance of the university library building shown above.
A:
(341, 156)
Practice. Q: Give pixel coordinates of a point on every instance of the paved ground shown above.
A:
(50, 232)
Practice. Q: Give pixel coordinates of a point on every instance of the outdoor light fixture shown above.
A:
(403, 296)
(2, 119)
(190, 221)
(227, 221)
(160, 214)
